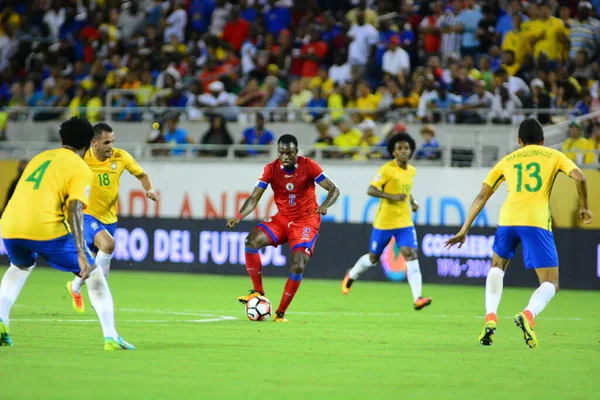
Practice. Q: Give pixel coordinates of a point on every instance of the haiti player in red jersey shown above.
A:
(297, 221)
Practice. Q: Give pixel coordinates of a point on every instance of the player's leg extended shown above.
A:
(256, 240)
(494, 284)
(300, 258)
(414, 277)
(12, 282)
(379, 240)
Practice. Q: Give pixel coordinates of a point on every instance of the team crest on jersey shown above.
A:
(289, 186)
(114, 166)
(94, 225)
(268, 219)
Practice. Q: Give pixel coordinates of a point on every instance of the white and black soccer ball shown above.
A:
(258, 309)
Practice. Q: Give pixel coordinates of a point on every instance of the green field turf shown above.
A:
(368, 345)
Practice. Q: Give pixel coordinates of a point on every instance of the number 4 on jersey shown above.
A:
(38, 175)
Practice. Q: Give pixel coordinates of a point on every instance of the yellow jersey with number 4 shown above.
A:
(105, 187)
(38, 208)
(529, 174)
(394, 180)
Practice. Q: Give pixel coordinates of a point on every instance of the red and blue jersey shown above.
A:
(294, 189)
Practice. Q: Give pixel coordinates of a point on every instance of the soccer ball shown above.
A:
(258, 309)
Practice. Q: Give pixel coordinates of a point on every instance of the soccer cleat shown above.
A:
(77, 298)
(527, 327)
(486, 337)
(280, 317)
(251, 294)
(119, 344)
(4, 335)
(347, 284)
(422, 302)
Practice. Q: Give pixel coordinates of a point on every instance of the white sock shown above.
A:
(77, 285)
(12, 282)
(102, 302)
(540, 298)
(103, 261)
(414, 277)
(493, 290)
(363, 264)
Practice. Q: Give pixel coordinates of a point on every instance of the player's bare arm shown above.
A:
(144, 178)
(374, 192)
(478, 204)
(76, 223)
(332, 195)
(247, 208)
(584, 211)
(414, 203)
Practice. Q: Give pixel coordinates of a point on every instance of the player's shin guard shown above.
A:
(494, 284)
(291, 287)
(414, 277)
(103, 261)
(254, 268)
(362, 264)
(12, 282)
(539, 299)
(102, 302)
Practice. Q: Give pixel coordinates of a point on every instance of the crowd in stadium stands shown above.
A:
(460, 61)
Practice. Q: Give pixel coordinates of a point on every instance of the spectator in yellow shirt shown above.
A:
(547, 34)
(575, 142)
(517, 40)
(347, 139)
(323, 81)
(508, 62)
(594, 144)
(367, 102)
(368, 139)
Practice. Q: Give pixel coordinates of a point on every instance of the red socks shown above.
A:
(254, 268)
(291, 287)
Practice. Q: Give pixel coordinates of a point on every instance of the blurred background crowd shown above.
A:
(342, 62)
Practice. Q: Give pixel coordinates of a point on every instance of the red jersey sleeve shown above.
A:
(265, 177)
(315, 171)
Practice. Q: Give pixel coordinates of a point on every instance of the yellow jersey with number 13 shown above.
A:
(394, 180)
(105, 188)
(529, 174)
(38, 208)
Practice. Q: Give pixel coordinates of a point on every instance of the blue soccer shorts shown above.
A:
(539, 250)
(405, 237)
(91, 227)
(60, 253)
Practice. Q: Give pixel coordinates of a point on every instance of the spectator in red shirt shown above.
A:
(210, 73)
(236, 29)
(312, 54)
(430, 29)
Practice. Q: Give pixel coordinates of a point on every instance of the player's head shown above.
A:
(76, 133)
(531, 132)
(401, 146)
(287, 147)
(104, 140)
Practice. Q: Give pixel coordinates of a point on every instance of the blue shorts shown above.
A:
(405, 237)
(91, 227)
(539, 250)
(60, 253)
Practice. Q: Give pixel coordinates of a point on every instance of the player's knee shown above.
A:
(108, 246)
(298, 264)
(251, 242)
(409, 254)
(374, 258)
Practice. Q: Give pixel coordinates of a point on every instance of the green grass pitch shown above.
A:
(194, 342)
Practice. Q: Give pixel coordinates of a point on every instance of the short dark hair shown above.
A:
(288, 139)
(101, 127)
(76, 132)
(401, 137)
(531, 131)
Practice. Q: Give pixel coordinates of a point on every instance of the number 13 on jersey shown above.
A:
(533, 169)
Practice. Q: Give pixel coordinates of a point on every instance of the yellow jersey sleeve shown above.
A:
(564, 164)
(80, 186)
(381, 178)
(496, 176)
(131, 165)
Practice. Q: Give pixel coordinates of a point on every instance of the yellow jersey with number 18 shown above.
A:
(105, 188)
(394, 180)
(38, 207)
(529, 174)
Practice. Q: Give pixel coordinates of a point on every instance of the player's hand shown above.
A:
(586, 215)
(152, 195)
(232, 222)
(459, 239)
(84, 266)
(321, 210)
(399, 197)
(415, 206)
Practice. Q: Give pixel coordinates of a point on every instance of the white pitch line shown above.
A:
(146, 321)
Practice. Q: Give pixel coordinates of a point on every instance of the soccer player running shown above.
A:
(297, 221)
(45, 217)
(525, 219)
(100, 217)
(392, 185)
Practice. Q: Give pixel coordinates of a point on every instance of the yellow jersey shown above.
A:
(591, 158)
(529, 174)
(550, 44)
(39, 205)
(571, 146)
(105, 187)
(394, 180)
(517, 42)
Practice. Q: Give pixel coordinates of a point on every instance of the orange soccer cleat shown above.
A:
(251, 294)
(422, 302)
(77, 298)
(347, 284)
(280, 317)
